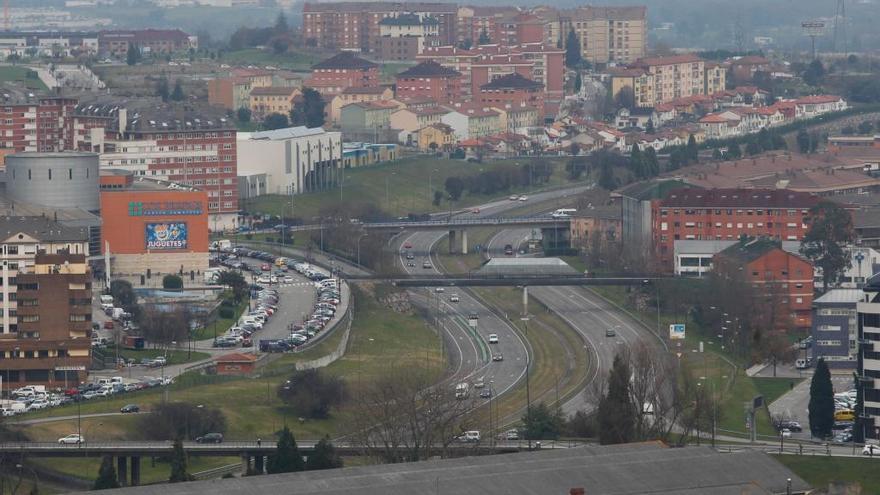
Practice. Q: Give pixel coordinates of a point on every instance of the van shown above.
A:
(103, 381)
(844, 415)
(115, 379)
(105, 299)
(472, 436)
(462, 390)
(802, 363)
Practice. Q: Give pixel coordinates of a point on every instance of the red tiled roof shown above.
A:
(512, 81)
(669, 60)
(817, 99)
(428, 68)
(754, 198)
(236, 357)
(713, 118)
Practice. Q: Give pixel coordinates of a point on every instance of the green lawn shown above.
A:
(773, 388)
(406, 182)
(818, 471)
(14, 73)
(174, 356)
(380, 340)
(295, 61)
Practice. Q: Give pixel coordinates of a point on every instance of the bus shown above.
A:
(563, 213)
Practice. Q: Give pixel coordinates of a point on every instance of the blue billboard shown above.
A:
(166, 235)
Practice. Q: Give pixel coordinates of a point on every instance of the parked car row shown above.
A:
(248, 324)
(36, 397)
(328, 297)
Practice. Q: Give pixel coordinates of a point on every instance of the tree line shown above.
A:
(498, 180)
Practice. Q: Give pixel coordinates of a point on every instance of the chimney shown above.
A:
(576, 491)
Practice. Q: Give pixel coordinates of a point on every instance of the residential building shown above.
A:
(436, 137)
(429, 79)
(271, 99)
(512, 91)
(493, 22)
(715, 78)
(606, 34)
(293, 160)
(406, 35)
(810, 107)
(473, 121)
(37, 124)
(356, 95)
(868, 361)
(516, 120)
(835, 328)
(355, 26)
(50, 343)
(782, 279)
(656, 80)
(356, 154)
(193, 152)
(694, 258)
(147, 41)
(230, 93)
(637, 211)
(366, 119)
(743, 69)
(149, 227)
(341, 71)
(409, 121)
(727, 214)
(597, 224)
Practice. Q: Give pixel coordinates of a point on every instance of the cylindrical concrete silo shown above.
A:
(61, 180)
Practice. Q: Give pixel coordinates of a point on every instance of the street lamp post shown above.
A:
(430, 186)
(359, 248)
(525, 320)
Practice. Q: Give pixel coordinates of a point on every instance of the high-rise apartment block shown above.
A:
(606, 34)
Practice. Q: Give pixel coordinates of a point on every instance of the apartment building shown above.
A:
(606, 34)
(868, 361)
(512, 91)
(341, 71)
(46, 305)
(272, 99)
(406, 35)
(835, 328)
(355, 95)
(656, 80)
(355, 26)
(37, 123)
(429, 79)
(715, 79)
(784, 280)
(147, 41)
(727, 214)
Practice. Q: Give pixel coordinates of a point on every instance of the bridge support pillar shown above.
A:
(258, 464)
(464, 242)
(525, 300)
(245, 464)
(135, 470)
(122, 470)
(452, 241)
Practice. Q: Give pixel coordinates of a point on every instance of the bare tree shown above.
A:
(402, 416)
(165, 327)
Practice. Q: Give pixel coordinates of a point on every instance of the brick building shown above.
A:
(430, 80)
(727, 214)
(784, 280)
(54, 311)
(405, 36)
(656, 80)
(272, 99)
(606, 34)
(157, 41)
(512, 91)
(355, 26)
(37, 124)
(341, 71)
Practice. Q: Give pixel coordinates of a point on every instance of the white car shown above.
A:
(439, 290)
(72, 439)
(454, 298)
(871, 449)
(493, 338)
(523, 198)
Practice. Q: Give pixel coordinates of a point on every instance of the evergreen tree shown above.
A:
(323, 457)
(652, 165)
(821, 408)
(178, 463)
(765, 141)
(825, 243)
(606, 176)
(275, 121)
(617, 414)
(716, 154)
(752, 147)
(281, 26)
(572, 50)
(636, 164)
(578, 83)
(162, 90)
(814, 141)
(309, 110)
(803, 141)
(243, 114)
(734, 151)
(133, 56)
(693, 153)
(287, 458)
(649, 127)
(177, 94)
(484, 38)
(542, 423)
(106, 475)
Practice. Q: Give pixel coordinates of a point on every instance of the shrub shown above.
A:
(311, 393)
(172, 282)
(226, 313)
(172, 420)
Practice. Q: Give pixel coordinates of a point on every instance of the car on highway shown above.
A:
(523, 198)
(508, 250)
(454, 298)
(785, 432)
(72, 439)
(130, 408)
(513, 197)
(493, 338)
(475, 211)
(511, 435)
(410, 256)
(610, 332)
(790, 425)
(407, 245)
(426, 265)
(439, 290)
(410, 264)
(210, 438)
(479, 383)
(469, 437)
(871, 449)
(498, 357)
(486, 393)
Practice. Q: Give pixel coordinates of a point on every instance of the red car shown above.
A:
(265, 268)
(407, 245)
(108, 325)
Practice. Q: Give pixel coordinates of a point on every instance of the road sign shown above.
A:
(676, 331)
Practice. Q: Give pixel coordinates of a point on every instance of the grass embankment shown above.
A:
(715, 367)
(458, 263)
(174, 356)
(407, 187)
(293, 60)
(559, 363)
(21, 75)
(380, 340)
(819, 471)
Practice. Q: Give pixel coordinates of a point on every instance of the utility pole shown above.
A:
(525, 320)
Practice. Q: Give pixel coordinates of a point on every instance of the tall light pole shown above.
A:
(359, 248)
(430, 186)
(525, 320)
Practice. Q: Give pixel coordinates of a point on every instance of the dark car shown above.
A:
(210, 438)
(130, 408)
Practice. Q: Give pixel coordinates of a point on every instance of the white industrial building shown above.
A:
(288, 161)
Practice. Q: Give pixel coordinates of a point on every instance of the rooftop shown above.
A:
(751, 249)
(610, 470)
(668, 60)
(273, 91)
(285, 133)
(644, 191)
(429, 68)
(840, 296)
(514, 80)
(409, 20)
(41, 228)
(345, 60)
(526, 266)
(739, 198)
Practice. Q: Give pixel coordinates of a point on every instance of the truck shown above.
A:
(221, 245)
(133, 342)
(116, 313)
(212, 274)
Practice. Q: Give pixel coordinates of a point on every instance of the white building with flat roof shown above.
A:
(293, 159)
